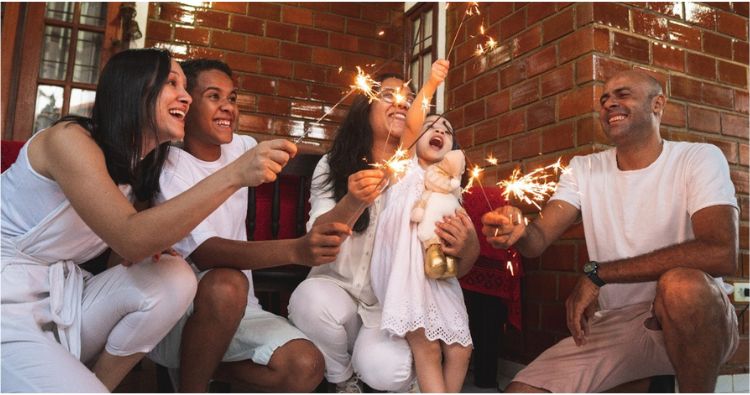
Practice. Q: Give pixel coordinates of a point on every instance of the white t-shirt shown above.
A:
(630, 213)
(182, 170)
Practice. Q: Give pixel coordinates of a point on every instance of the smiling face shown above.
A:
(389, 114)
(171, 106)
(435, 142)
(631, 108)
(213, 116)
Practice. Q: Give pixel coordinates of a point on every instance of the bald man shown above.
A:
(660, 220)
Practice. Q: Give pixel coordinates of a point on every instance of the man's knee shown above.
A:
(302, 365)
(223, 292)
(685, 292)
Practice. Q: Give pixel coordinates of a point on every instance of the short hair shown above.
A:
(193, 67)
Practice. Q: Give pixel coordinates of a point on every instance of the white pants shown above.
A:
(125, 310)
(327, 314)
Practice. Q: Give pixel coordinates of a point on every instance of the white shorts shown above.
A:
(258, 336)
(619, 349)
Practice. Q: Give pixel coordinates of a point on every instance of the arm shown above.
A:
(364, 187)
(416, 114)
(317, 247)
(505, 226)
(84, 179)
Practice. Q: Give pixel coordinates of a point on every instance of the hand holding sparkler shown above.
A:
(503, 226)
(363, 188)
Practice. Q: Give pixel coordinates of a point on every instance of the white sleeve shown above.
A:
(321, 193)
(708, 182)
(568, 188)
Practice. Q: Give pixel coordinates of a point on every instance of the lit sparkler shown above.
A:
(472, 8)
(491, 160)
(533, 187)
(365, 84)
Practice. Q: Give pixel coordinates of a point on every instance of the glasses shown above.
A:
(395, 96)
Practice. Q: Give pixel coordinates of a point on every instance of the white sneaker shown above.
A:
(414, 387)
(350, 386)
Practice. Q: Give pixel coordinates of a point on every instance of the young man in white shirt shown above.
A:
(226, 334)
(660, 220)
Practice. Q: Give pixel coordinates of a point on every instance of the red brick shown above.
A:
(343, 41)
(330, 22)
(245, 24)
(246, 103)
(257, 84)
(159, 31)
(703, 120)
(326, 93)
(741, 51)
(557, 138)
(281, 68)
(650, 25)
(717, 95)
(370, 47)
(511, 123)
(375, 12)
(498, 11)
(230, 41)
(559, 256)
(701, 66)
(685, 35)
(513, 24)
(744, 155)
(611, 14)
(526, 41)
(668, 56)
(671, 9)
(741, 356)
(177, 13)
(538, 11)
(310, 72)
(237, 8)
(589, 131)
(501, 151)
(264, 46)
(296, 15)
(700, 15)
(327, 56)
(296, 52)
(512, 74)
(540, 114)
(525, 146)
(732, 25)
(567, 284)
(558, 80)
(685, 88)
(293, 89)
(576, 44)
(254, 123)
(306, 109)
(741, 185)
(190, 35)
(273, 105)
(557, 26)
(486, 84)
(742, 8)
(584, 14)
(498, 103)
(554, 318)
(524, 93)
(242, 62)
(313, 37)
(281, 31)
(741, 101)
(361, 28)
(674, 114)
(718, 45)
(195, 52)
(733, 74)
(729, 148)
(631, 48)
(734, 125)
(577, 102)
(485, 132)
(474, 112)
(265, 11)
(347, 9)
(217, 20)
(541, 61)
(464, 94)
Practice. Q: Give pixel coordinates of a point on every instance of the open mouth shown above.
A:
(616, 118)
(436, 142)
(177, 113)
(223, 123)
(398, 116)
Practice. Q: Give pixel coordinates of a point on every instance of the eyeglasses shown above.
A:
(395, 96)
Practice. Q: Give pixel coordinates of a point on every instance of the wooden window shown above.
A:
(57, 52)
(421, 41)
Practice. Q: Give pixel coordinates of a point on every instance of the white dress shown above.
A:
(409, 299)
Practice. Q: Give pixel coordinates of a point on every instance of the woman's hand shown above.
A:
(264, 162)
(366, 185)
(321, 244)
(459, 239)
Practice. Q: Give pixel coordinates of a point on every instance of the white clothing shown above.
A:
(328, 314)
(410, 300)
(630, 213)
(337, 308)
(46, 296)
(259, 333)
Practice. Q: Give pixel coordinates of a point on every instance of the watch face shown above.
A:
(589, 267)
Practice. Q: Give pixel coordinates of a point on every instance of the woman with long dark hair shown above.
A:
(335, 306)
(69, 196)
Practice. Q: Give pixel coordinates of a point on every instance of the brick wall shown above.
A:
(534, 99)
(285, 56)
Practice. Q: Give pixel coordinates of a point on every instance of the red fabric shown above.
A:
(9, 152)
(490, 274)
(289, 196)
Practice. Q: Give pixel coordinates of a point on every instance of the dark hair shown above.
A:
(193, 67)
(455, 145)
(125, 104)
(351, 150)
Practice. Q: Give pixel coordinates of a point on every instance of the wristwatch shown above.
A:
(591, 269)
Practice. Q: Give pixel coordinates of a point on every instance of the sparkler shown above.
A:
(533, 187)
(471, 9)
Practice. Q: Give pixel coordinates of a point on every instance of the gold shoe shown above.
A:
(451, 267)
(434, 262)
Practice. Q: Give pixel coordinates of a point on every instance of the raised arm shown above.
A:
(83, 177)
(416, 114)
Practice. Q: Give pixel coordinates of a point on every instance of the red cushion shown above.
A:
(289, 196)
(9, 152)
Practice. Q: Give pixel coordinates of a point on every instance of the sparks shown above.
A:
(365, 84)
(533, 187)
(396, 165)
(474, 175)
(425, 105)
(509, 266)
(491, 160)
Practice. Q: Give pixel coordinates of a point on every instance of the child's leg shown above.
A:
(427, 361)
(455, 365)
